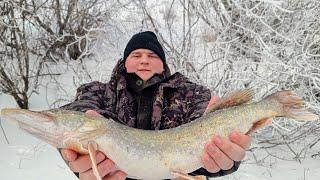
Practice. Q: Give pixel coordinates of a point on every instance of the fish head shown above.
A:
(60, 128)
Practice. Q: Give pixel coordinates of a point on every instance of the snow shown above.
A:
(276, 168)
(308, 169)
(28, 158)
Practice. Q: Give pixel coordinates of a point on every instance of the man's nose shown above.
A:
(144, 60)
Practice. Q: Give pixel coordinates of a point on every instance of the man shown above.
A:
(143, 94)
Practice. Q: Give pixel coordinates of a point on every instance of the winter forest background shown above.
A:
(50, 47)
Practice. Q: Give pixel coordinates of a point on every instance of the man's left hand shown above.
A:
(220, 153)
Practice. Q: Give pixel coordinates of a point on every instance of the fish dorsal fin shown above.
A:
(234, 99)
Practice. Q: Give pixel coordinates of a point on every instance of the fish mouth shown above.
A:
(38, 124)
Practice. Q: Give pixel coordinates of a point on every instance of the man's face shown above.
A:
(145, 63)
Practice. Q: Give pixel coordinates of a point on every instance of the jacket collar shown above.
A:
(172, 81)
(175, 81)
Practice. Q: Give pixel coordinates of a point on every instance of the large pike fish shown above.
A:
(160, 154)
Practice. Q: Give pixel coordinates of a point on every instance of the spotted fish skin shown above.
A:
(149, 154)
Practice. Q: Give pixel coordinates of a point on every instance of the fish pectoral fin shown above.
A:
(75, 145)
(259, 124)
(183, 176)
(92, 148)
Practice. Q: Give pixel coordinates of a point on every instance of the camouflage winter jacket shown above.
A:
(177, 101)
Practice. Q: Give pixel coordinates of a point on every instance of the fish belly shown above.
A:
(141, 162)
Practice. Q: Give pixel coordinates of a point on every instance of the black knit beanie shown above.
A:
(144, 40)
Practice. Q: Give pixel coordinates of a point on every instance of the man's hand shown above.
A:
(220, 153)
(82, 164)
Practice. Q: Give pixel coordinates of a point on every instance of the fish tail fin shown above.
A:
(292, 106)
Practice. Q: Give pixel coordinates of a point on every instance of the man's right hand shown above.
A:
(82, 164)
